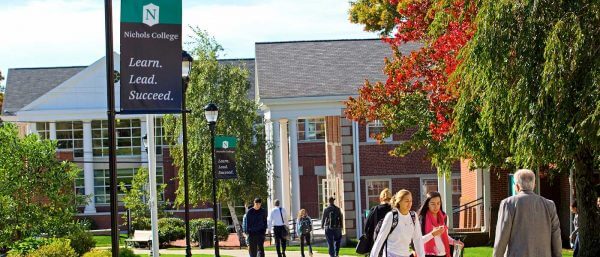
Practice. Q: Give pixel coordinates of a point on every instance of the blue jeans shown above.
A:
(576, 246)
(334, 239)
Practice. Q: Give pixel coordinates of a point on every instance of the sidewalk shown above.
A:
(240, 253)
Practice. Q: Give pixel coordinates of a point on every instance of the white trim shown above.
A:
(372, 140)
(358, 198)
(389, 180)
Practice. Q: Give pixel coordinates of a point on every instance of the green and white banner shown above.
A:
(225, 157)
(150, 56)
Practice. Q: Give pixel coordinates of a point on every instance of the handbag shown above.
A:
(363, 246)
(286, 230)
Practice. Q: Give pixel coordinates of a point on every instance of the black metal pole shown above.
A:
(188, 247)
(112, 161)
(214, 188)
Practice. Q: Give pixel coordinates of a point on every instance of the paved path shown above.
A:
(240, 253)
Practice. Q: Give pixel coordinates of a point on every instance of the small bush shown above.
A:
(82, 241)
(27, 245)
(197, 224)
(126, 252)
(58, 248)
(170, 229)
(98, 253)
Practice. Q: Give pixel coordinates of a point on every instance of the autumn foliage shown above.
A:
(441, 28)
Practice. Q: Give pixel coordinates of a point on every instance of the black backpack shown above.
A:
(305, 226)
(394, 224)
(335, 219)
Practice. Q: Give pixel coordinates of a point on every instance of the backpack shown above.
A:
(394, 224)
(335, 220)
(305, 226)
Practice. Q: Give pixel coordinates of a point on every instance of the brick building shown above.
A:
(300, 86)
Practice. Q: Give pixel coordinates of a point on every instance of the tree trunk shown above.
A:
(589, 238)
(236, 224)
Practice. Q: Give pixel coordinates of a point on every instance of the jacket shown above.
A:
(256, 221)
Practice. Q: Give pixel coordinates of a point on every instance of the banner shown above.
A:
(150, 56)
(225, 157)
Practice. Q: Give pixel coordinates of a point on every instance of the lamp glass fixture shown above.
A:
(211, 112)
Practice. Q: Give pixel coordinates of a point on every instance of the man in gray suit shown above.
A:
(527, 225)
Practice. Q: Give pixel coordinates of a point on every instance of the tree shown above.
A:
(529, 95)
(37, 193)
(227, 86)
(418, 94)
(136, 200)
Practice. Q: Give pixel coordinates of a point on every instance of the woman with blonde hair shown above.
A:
(376, 214)
(399, 228)
(303, 228)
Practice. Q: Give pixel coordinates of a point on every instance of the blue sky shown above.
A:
(50, 33)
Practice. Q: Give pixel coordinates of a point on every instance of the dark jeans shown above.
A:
(305, 237)
(256, 244)
(280, 241)
(334, 239)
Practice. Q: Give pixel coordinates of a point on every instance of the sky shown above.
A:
(54, 33)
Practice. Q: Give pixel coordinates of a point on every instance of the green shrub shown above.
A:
(82, 241)
(58, 248)
(27, 245)
(170, 229)
(88, 223)
(197, 224)
(98, 253)
(126, 252)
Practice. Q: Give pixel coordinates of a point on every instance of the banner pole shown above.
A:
(112, 166)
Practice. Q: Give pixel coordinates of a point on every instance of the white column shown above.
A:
(52, 130)
(144, 154)
(276, 160)
(88, 167)
(285, 166)
(487, 200)
(358, 194)
(152, 183)
(294, 163)
(479, 194)
(445, 189)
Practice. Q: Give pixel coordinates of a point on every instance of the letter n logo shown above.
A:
(150, 14)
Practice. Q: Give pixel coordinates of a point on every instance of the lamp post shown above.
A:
(186, 67)
(211, 111)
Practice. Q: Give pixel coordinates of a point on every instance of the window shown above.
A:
(375, 128)
(43, 129)
(429, 185)
(79, 184)
(102, 182)
(311, 129)
(128, 133)
(159, 135)
(374, 188)
(456, 187)
(69, 136)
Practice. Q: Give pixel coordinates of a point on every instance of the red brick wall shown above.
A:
(170, 175)
(469, 182)
(310, 154)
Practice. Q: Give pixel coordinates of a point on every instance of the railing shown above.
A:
(471, 214)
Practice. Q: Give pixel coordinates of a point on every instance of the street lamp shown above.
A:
(186, 67)
(211, 111)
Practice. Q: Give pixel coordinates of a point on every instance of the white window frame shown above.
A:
(305, 131)
(367, 181)
(434, 178)
(376, 123)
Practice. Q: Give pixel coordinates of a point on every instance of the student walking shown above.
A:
(303, 228)
(277, 223)
(574, 237)
(399, 228)
(376, 214)
(433, 227)
(332, 222)
(256, 226)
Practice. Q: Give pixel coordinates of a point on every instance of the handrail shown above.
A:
(468, 205)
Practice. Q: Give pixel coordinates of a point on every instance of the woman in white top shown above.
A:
(433, 227)
(396, 242)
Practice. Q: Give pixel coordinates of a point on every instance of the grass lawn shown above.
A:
(105, 241)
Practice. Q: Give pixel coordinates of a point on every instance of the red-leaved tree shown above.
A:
(419, 93)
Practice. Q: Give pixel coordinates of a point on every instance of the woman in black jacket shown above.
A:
(377, 213)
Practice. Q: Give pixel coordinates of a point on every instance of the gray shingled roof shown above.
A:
(24, 85)
(320, 68)
(248, 64)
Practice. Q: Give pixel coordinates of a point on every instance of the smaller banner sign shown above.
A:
(225, 157)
